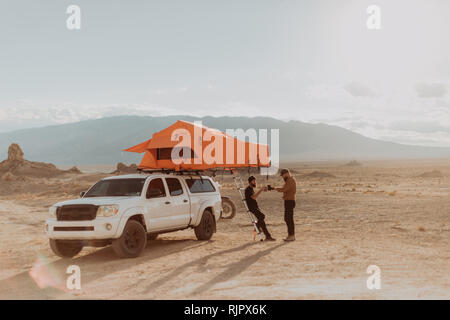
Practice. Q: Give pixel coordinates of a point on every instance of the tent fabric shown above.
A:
(141, 147)
(226, 151)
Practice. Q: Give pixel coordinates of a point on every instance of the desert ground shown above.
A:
(392, 214)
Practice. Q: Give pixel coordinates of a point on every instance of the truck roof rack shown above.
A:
(212, 171)
(172, 171)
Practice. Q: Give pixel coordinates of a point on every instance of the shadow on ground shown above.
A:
(94, 266)
(231, 271)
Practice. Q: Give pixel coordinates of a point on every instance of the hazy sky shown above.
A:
(311, 60)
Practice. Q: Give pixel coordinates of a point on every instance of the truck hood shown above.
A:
(95, 201)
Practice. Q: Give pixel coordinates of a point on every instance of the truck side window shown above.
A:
(156, 189)
(174, 185)
(200, 185)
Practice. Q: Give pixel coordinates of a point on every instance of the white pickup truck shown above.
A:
(127, 210)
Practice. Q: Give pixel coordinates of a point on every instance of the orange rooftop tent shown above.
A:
(198, 147)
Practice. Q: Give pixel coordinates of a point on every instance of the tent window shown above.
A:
(166, 153)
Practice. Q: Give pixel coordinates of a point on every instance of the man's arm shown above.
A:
(287, 186)
(255, 195)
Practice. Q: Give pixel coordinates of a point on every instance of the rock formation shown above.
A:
(123, 168)
(431, 174)
(16, 166)
(353, 163)
(15, 153)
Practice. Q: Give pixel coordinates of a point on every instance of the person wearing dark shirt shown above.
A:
(252, 204)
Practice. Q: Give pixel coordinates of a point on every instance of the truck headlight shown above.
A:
(107, 210)
(52, 211)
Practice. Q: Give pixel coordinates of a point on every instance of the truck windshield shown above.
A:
(117, 188)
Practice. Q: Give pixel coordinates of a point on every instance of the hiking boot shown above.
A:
(290, 238)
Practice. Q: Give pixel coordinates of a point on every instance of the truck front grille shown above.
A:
(73, 228)
(76, 212)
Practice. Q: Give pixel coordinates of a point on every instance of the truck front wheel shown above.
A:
(205, 229)
(66, 248)
(132, 241)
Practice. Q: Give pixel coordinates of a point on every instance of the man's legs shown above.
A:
(289, 206)
(261, 224)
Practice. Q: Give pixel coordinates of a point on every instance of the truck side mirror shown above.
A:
(82, 193)
(154, 193)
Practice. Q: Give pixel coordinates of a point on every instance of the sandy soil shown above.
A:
(347, 218)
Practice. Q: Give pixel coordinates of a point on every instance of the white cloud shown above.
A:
(358, 89)
(26, 114)
(395, 113)
(433, 90)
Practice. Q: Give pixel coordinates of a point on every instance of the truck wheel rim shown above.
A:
(226, 208)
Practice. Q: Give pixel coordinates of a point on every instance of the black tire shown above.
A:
(132, 241)
(152, 236)
(206, 228)
(228, 209)
(66, 248)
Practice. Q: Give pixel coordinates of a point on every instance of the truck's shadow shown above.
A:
(93, 266)
(233, 269)
(198, 262)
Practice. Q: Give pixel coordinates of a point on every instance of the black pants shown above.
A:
(261, 224)
(289, 206)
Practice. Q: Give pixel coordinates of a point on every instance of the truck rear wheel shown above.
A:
(132, 241)
(228, 208)
(152, 236)
(205, 229)
(66, 248)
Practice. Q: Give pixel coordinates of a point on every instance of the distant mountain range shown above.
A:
(101, 141)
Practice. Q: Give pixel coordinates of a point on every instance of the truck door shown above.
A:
(157, 206)
(179, 202)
